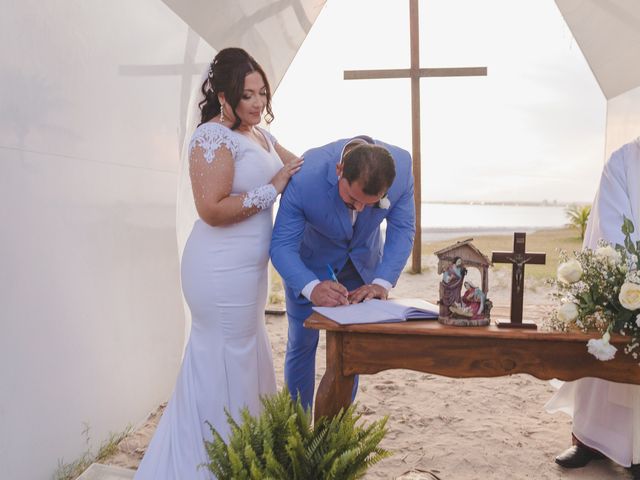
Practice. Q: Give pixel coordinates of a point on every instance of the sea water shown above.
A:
(447, 220)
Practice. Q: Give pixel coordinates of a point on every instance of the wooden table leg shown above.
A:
(335, 388)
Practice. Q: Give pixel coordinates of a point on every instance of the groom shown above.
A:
(328, 224)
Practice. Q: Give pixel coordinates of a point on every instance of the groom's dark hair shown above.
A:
(372, 166)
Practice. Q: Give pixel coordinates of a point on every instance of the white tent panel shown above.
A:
(271, 30)
(608, 32)
(92, 111)
(91, 328)
(623, 120)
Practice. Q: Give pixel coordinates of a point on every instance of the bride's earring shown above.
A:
(222, 113)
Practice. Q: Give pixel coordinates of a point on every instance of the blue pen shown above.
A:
(332, 275)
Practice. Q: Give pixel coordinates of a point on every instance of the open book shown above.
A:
(381, 311)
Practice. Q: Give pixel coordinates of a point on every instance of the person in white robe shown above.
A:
(606, 415)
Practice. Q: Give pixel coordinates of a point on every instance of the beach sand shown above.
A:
(444, 428)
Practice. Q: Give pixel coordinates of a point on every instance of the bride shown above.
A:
(236, 169)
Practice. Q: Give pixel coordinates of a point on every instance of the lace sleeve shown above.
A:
(261, 197)
(210, 137)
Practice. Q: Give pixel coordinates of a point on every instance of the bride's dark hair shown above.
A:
(226, 75)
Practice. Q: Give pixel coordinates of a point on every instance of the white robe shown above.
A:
(606, 415)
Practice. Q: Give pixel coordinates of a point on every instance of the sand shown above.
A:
(444, 428)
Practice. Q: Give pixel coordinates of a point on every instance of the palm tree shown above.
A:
(578, 216)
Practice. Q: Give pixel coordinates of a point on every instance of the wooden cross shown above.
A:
(518, 258)
(415, 73)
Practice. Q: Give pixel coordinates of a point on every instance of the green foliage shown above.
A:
(628, 229)
(282, 444)
(71, 471)
(603, 285)
(578, 216)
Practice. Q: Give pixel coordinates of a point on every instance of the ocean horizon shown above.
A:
(443, 220)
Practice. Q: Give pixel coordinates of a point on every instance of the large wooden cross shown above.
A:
(518, 258)
(415, 73)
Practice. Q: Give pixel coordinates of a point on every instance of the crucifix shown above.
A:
(518, 258)
(415, 73)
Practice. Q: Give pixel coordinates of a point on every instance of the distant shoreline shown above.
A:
(505, 203)
(431, 234)
(435, 234)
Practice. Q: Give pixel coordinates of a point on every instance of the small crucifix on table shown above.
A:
(518, 258)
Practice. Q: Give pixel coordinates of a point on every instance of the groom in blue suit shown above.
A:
(328, 227)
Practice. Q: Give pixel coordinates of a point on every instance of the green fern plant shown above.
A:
(282, 444)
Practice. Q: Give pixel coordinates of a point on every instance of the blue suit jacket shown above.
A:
(313, 226)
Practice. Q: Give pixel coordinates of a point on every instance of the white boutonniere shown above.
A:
(384, 203)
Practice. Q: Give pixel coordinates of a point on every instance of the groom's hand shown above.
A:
(329, 294)
(367, 292)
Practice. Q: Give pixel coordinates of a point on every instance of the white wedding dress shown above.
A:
(227, 361)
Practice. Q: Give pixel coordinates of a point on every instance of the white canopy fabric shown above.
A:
(92, 107)
(608, 32)
(271, 30)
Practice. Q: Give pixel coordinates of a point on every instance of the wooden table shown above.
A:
(459, 352)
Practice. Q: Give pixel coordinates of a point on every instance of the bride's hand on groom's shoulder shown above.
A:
(329, 294)
(290, 168)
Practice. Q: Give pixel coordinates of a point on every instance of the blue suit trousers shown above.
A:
(300, 358)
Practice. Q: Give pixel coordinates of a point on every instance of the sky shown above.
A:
(532, 130)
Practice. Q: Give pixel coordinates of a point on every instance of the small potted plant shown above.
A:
(283, 444)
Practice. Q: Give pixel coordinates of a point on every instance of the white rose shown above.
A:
(629, 296)
(638, 320)
(608, 253)
(568, 312)
(569, 272)
(601, 348)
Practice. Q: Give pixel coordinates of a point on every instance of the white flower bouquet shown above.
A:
(600, 290)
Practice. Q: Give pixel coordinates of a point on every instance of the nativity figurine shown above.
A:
(471, 308)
